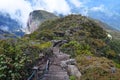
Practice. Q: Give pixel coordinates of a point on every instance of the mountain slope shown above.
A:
(112, 31)
(74, 28)
(37, 17)
(110, 19)
(71, 25)
(5, 35)
(83, 39)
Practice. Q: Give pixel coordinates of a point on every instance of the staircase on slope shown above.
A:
(55, 71)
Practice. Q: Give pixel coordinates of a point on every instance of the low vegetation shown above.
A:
(17, 57)
(95, 53)
(97, 56)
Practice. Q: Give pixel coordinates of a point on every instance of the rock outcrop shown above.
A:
(67, 64)
(36, 18)
(70, 67)
(73, 70)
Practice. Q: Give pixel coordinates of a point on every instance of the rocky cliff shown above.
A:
(36, 18)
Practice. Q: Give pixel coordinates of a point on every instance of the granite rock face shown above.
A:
(36, 18)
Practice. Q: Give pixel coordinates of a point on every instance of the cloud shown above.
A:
(76, 3)
(4, 28)
(98, 8)
(59, 6)
(105, 10)
(20, 9)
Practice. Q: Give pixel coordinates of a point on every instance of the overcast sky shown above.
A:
(20, 9)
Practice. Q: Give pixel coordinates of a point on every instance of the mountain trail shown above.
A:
(55, 70)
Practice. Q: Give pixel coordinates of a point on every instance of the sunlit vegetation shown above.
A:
(74, 48)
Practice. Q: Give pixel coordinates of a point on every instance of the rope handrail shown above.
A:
(47, 65)
(45, 69)
(35, 72)
(32, 75)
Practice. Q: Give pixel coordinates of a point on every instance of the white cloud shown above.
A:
(20, 9)
(76, 3)
(4, 28)
(103, 9)
(85, 11)
(98, 8)
(16, 8)
(59, 6)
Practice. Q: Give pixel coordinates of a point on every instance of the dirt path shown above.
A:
(55, 71)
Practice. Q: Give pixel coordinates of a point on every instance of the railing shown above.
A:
(34, 74)
(47, 65)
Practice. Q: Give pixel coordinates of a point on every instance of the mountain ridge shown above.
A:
(86, 41)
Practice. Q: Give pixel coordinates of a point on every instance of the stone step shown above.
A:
(57, 73)
(55, 68)
(56, 77)
(54, 72)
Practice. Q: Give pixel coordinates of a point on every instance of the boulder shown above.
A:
(64, 64)
(73, 71)
(71, 62)
(63, 57)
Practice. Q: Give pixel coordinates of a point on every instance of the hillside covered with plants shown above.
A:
(96, 54)
(18, 56)
(86, 40)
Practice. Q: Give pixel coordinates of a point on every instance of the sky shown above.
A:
(20, 9)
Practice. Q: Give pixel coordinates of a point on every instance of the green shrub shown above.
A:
(72, 78)
(12, 61)
(74, 48)
(17, 57)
